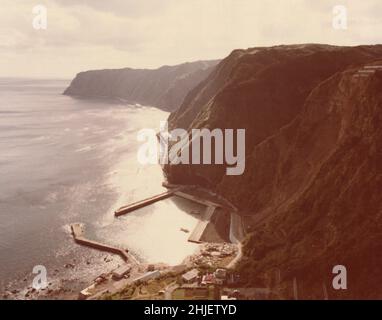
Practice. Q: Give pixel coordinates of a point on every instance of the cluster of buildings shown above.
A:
(216, 278)
(219, 280)
(212, 254)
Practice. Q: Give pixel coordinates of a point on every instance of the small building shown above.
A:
(87, 292)
(208, 279)
(100, 279)
(221, 274)
(190, 276)
(120, 272)
(225, 297)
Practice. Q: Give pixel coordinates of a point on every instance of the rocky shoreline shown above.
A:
(66, 282)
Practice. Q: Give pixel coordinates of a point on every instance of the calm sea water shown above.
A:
(66, 160)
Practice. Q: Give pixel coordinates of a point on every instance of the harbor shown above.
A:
(212, 252)
(205, 216)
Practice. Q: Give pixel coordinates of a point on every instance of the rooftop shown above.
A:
(192, 274)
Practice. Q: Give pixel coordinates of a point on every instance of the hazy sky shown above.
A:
(96, 34)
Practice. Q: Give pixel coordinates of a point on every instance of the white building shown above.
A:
(120, 272)
(190, 276)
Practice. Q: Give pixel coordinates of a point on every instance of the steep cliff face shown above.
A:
(164, 88)
(313, 180)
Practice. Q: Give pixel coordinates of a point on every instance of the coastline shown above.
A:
(71, 267)
(77, 196)
(208, 255)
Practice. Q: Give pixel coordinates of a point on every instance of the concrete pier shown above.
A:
(196, 199)
(236, 231)
(200, 227)
(195, 236)
(174, 192)
(143, 203)
(197, 233)
(80, 239)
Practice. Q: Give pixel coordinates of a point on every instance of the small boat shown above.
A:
(184, 230)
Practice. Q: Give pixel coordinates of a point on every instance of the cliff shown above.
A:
(164, 87)
(311, 190)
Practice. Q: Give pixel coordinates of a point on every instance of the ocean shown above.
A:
(66, 160)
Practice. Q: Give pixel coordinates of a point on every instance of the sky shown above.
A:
(99, 34)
